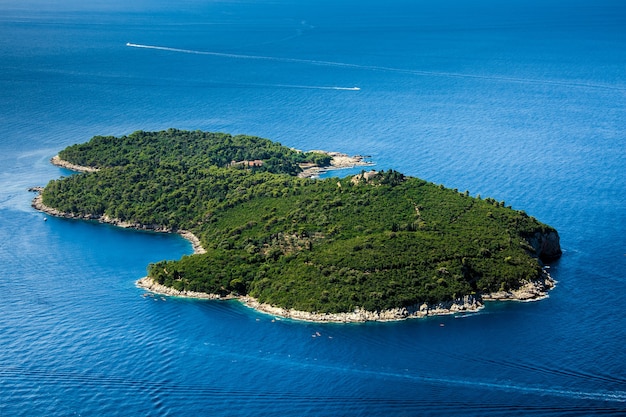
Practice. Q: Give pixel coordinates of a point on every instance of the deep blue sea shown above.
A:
(520, 100)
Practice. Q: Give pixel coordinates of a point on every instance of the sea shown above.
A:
(523, 101)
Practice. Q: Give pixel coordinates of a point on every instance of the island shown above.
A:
(378, 245)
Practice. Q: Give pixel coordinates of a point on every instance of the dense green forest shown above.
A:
(316, 245)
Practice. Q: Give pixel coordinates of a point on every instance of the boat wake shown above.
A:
(498, 78)
(311, 87)
(242, 56)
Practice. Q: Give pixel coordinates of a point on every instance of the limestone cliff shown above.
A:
(547, 245)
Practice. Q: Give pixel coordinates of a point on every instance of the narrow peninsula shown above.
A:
(374, 246)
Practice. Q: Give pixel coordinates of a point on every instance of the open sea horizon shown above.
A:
(521, 101)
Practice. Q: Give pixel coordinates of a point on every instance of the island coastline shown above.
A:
(338, 161)
(38, 204)
(532, 291)
(57, 161)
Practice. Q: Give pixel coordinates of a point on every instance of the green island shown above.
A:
(372, 246)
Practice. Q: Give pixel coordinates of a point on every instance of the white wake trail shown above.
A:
(311, 87)
(570, 84)
(241, 56)
(266, 58)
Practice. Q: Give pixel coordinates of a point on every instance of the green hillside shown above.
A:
(314, 245)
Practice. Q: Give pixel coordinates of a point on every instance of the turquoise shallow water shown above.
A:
(524, 102)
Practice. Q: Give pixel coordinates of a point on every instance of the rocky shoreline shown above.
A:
(149, 284)
(68, 165)
(532, 291)
(466, 304)
(338, 161)
(38, 204)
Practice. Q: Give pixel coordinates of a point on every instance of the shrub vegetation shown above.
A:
(316, 245)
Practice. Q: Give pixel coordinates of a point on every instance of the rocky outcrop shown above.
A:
(547, 245)
(68, 165)
(151, 285)
(338, 161)
(465, 304)
(531, 291)
(366, 176)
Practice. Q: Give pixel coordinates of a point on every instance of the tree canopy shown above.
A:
(332, 245)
